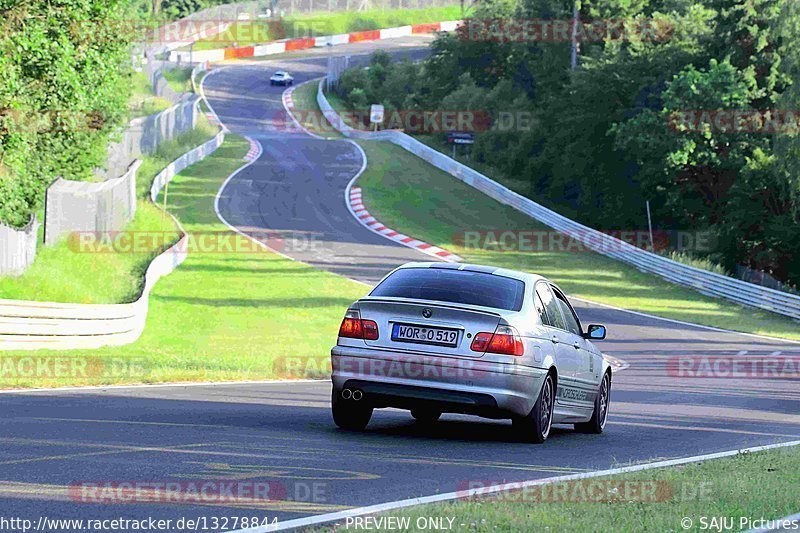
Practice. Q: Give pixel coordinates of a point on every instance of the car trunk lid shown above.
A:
(419, 326)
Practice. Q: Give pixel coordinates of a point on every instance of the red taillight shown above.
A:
(481, 342)
(355, 328)
(505, 340)
(351, 327)
(370, 329)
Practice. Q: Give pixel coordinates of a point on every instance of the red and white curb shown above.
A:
(212, 118)
(290, 45)
(288, 103)
(356, 207)
(371, 223)
(254, 152)
(288, 106)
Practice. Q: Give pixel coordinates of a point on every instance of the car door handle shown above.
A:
(576, 345)
(554, 339)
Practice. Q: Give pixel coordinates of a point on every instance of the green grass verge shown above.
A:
(246, 33)
(407, 194)
(309, 115)
(222, 316)
(179, 78)
(143, 102)
(752, 485)
(62, 274)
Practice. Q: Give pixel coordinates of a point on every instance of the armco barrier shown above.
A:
(28, 325)
(288, 45)
(184, 161)
(18, 247)
(703, 281)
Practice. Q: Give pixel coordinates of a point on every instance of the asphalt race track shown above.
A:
(282, 433)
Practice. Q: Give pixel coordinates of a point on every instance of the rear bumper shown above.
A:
(453, 385)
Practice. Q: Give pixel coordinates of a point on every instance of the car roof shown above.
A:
(516, 274)
(280, 72)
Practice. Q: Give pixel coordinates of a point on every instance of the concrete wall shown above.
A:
(143, 135)
(161, 87)
(86, 206)
(110, 204)
(17, 247)
(36, 325)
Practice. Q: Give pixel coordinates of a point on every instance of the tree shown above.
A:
(64, 88)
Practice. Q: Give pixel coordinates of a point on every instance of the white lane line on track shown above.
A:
(320, 519)
(177, 384)
(466, 494)
(352, 194)
(216, 119)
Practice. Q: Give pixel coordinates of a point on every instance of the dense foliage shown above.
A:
(63, 92)
(175, 9)
(605, 138)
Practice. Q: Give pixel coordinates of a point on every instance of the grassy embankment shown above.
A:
(179, 78)
(222, 316)
(60, 274)
(63, 273)
(143, 102)
(407, 194)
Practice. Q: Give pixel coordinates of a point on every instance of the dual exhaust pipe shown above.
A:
(354, 394)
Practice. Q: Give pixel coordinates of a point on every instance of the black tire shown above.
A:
(291, 82)
(272, 83)
(600, 413)
(426, 416)
(349, 414)
(536, 426)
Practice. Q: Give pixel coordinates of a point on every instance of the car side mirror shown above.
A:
(595, 332)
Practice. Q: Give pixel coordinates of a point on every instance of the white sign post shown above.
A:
(376, 112)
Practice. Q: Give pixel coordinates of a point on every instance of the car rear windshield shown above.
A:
(454, 286)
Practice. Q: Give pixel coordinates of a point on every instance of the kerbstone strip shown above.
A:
(290, 45)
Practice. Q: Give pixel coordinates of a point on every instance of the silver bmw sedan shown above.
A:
(439, 338)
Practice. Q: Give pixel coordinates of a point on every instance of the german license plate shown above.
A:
(424, 335)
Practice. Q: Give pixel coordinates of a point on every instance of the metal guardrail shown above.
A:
(703, 281)
(28, 325)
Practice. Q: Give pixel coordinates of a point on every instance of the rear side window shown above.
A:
(569, 315)
(454, 286)
(551, 307)
(572, 324)
(537, 303)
